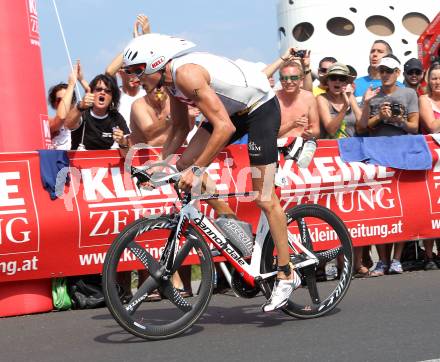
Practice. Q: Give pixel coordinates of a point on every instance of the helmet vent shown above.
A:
(134, 55)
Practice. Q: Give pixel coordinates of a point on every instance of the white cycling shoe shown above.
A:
(281, 292)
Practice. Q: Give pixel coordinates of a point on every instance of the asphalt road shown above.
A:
(392, 318)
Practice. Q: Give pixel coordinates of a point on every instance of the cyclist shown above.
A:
(235, 98)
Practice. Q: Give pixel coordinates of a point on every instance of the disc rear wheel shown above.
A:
(324, 284)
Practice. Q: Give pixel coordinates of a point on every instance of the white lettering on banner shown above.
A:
(112, 222)
(94, 184)
(433, 185)
(332, 170)
(34, 35)
(6, 190)
(19, 229)
(350, 201)
(9, 232)
(11, 267)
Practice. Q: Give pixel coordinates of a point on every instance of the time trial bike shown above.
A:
(193, 238)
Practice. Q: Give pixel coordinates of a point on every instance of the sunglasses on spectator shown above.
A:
(386, 70)
(322, 70)
(285, 78)
(137, 69)
(414, 72)
(100, 89)
(335, 77)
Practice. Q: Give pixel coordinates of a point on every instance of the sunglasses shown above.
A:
(137, 69)
(285, 78)
(322, 70)
(386, 70)
(335, 77)
(100, 89)
(415, 72)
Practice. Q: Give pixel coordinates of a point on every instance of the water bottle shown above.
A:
(307, 153)
(238, 232)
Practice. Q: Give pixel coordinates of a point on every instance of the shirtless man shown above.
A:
(150, 120)
(299, 110)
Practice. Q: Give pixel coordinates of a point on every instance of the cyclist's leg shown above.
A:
(194, 149)
(263, 182)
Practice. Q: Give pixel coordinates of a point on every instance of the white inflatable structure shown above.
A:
(346, 29)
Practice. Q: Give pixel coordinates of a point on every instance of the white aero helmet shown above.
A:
(154, 50)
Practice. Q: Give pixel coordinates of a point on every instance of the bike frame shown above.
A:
(189, 214)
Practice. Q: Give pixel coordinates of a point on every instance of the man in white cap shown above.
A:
(390, 111)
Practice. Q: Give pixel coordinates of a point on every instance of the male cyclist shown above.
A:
(235, 98)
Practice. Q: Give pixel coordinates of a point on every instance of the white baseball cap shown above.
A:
(389, 63)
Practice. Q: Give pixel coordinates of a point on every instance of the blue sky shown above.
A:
(96, 30)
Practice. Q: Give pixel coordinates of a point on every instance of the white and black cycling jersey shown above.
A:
(239, 84)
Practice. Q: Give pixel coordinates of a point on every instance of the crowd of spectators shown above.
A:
(330, 103)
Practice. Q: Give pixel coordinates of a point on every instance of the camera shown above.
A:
(300, 53)
(395, 109)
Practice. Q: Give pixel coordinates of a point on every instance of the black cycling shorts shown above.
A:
(262, 125)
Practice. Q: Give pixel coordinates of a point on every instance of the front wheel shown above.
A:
(136, 252)
(324, 285)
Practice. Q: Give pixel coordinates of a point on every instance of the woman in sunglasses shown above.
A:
(338, 109)
(95, 117)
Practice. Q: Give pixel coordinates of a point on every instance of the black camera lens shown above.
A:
(300, 53)
(395, 109)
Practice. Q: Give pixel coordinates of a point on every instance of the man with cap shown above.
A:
(389, 111)
(413, 74)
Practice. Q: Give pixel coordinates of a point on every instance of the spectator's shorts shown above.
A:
(262, 125)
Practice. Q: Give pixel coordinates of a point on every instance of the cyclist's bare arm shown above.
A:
(193, 80)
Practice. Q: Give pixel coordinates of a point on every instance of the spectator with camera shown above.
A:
(389, 111)
(299, 56)
(299, 110)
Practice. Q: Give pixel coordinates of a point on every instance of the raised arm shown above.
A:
(73, 118)
(141, 22)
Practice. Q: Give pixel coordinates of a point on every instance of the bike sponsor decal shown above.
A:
(219, 240)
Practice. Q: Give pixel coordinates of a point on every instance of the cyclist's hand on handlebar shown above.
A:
(188, 180)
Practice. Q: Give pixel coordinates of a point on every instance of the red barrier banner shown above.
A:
(41, 238)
